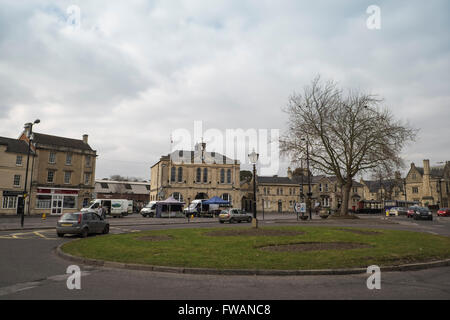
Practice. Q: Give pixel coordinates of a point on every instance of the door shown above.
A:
(280, 206)
(57, 204)
(20, 205)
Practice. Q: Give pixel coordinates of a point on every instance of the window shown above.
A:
(16, 180)
(147, 187)
(222, 175)
(9, 202)
(68, 159)
(128, 186)
(199, 175)
(281, 191)
(205, 175)
(50, 176)
(87, 178)
(355, 190)
(52, 157)
(415, 190)
(104, 185)
(320, 187)
(88, 161)
(177, 196)
(226, 197)
(67, 176)
(173, 171)
(19, 160)
(229, 176)
(265, 191)
(43, 202)
(326, 187)
(180, 174)
(69, 202)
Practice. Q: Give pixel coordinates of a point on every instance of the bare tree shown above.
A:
(344, 134)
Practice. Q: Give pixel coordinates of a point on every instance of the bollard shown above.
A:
(44, 216)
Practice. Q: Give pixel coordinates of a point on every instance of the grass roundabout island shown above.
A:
(265, 248)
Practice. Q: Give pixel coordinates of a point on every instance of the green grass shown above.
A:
(193, 248)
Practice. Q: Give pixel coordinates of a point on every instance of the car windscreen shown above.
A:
(70, 216)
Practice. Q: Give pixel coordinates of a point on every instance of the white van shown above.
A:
(149, 210)
(113, 207)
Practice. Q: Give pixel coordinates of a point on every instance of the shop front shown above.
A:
(56, 201)
(12, 202)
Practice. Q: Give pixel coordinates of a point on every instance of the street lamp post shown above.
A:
(253, 159)
(404, 189)
(28, 126)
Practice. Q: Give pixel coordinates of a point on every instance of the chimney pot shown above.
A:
(85, 138)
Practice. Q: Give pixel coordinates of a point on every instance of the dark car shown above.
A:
(410, 212)
(82, 223)
(443, 212)
(422, 213)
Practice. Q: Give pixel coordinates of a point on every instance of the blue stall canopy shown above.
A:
(217, 200)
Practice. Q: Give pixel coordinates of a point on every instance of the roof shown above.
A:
(275, 180)
(15, 145)
(374, 185)
(179, 156)
(57, 141)
(108, 186)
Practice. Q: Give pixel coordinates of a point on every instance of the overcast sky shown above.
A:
(135, 71)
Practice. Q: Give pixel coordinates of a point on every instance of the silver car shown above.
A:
(234, 215)
(82, 223)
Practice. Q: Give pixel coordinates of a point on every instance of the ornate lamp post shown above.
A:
(28, 126)
(254, 159)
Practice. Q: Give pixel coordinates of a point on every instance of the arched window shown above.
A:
(205, 175)
(222, 175)
(172, 174)
(177, 196)
(199, 175)
(180, 174)
(229, 176)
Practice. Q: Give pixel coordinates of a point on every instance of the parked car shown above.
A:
(422, 213)
(410, 212)
(81, 223)
(443, 212)
(234, 215)
(397, 211)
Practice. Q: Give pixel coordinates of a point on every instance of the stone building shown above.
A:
(384, 189)
(13, 162)
(279, 194)
(429, 184)
(63, 173)
(198, 174)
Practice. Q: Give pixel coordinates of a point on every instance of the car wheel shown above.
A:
(60, 235)
(221, 221)
(249, 220)
(106, 230)
(232, 220)
(84, 233)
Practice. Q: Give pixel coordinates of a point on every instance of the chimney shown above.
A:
(426, 167)
(85, 138)
(398, 176)
(289, 173)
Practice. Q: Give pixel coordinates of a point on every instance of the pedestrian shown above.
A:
(101, 212)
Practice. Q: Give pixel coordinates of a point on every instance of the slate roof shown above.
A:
(15, 145)
(56, 141)
(374, 185)
(179, 156)
(120, 187)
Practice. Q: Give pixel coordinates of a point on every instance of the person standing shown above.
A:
(101, 212)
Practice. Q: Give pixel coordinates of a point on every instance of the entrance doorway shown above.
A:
(57, 204)
(280, 206)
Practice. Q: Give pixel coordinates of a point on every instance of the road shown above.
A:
(29, 269)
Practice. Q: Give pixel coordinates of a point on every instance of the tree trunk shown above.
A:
(345, 197)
